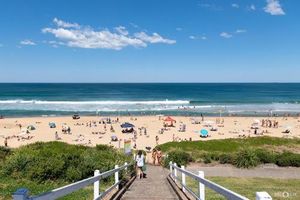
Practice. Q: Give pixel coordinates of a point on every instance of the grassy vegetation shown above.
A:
(248, 152)
(41, 167)
(230, 145)
(277, 188)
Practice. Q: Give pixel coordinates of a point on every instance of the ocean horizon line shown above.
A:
(149, 82)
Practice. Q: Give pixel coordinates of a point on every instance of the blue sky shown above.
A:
(150, 41)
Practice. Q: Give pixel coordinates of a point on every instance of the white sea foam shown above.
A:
(166, 102)
(143, 106)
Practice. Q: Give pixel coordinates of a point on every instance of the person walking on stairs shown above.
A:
(140, 164)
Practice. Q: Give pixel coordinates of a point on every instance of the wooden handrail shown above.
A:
(22, 194)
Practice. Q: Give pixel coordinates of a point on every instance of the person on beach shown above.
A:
(5, 142)
(156, 139)
(140, 164)
(159, 156)
(154, 155)
(56, 136)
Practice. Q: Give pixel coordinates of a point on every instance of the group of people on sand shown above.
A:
(140, 161)
(157, 156)
(267, 123)
(19, 138)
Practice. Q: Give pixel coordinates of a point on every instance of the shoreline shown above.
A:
(208, 115)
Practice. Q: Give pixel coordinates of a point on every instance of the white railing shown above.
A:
(181, 182)
(23, 194)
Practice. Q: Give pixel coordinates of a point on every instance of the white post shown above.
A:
(201, 186)
(183, 179)
(175, 172)
(262, 196)
(96, 185)
(117, 177)
(125, 167)
(171, 169)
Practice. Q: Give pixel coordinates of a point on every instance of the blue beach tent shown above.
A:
(203, 133)
(127, 125)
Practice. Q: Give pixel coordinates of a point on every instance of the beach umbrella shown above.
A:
(204, 133)
(114, 138)
(256, 121)
(30, 127)
(287, 127)
(169, 119)
(127, 125)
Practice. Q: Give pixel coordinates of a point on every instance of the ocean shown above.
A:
(39, 99)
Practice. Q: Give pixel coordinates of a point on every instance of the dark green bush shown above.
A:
(226, 159)
(101, 147)
(246, 158)
(179, 157)
(4, 152)
(207, 158)
(214, 156)
(288, 159)
(265, 156)
(60, 161)
(73, 174)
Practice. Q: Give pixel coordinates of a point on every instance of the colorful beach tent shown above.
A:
(169, 119)
(52, 125)
(203, 133)
(127, 125)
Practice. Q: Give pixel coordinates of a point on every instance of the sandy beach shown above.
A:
(91, 131)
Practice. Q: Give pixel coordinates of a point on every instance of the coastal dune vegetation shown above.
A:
(41, 167)
(242, 153)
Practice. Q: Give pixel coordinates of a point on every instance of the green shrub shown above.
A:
(60, 161)
(179, 157)
(73, 174)
(102, 147)
(265, 156)
(246, 158)
(226, 159)
(288, 159)
(207, 158)
(4, 152)
(214, 156)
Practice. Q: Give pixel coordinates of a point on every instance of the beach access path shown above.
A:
(262, 171)
(155, 186)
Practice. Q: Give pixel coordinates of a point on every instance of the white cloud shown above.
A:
(225, 35)
(27, 42)
(122, 30)
(210, 6)
(178, 29)
(234, 5)
(74, 35)
(192, 37)
(154, 38)
(240, 31)
(273, 7)
(64, 24)
(252, 7)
